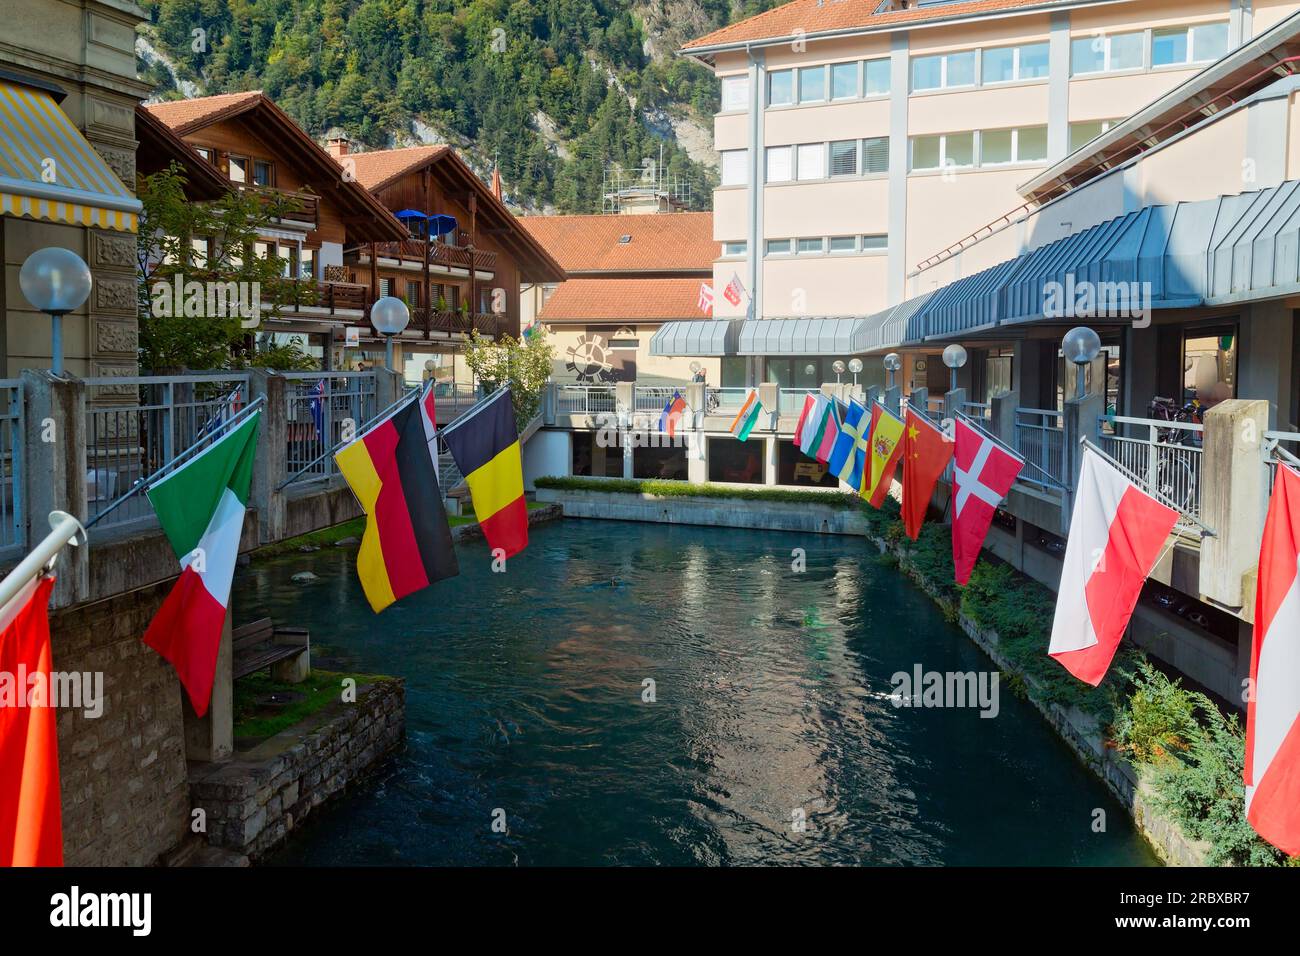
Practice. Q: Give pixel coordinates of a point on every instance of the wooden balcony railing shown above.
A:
(334, 296)
(412, 250)
(295, 206)
(438, 320)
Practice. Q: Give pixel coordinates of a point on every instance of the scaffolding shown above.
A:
(648, 189)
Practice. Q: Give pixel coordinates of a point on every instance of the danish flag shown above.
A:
(983, 473)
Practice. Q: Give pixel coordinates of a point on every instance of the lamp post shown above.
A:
(1081, 345)
(954, 356)
(855, 366)
(892, 364)
(389, 316)
(56, 281)
(838, 368)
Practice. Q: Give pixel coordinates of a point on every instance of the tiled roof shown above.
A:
(824, 16)
(662, 242)
(624, 300)
(185, 115)
(379, 167)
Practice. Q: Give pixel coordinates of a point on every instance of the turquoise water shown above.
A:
(524, 695)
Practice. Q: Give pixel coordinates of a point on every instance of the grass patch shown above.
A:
(457, 520)
(658, 488)
(322, 538)
(320, 689)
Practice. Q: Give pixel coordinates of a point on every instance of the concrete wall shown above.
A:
(546, 453)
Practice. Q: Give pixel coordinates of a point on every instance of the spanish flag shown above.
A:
(393, 470)
(882, 455)
(486, 448)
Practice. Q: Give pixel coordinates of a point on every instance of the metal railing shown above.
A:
(1276, 449)
(977, 410)
(152, 419)
(719, 400)
(585, 399)
(790, 400)
(652, 398)
(1040, 439)
(12, 435)
(321, 407)
(1164, 456)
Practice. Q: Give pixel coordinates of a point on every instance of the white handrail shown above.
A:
(64, 529)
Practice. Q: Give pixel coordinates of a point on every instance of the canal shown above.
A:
(771, 739)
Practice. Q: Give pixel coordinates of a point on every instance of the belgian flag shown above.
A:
(486, 448)
(393, 470)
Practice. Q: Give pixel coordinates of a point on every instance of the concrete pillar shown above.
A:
(1002, 416)
(1078, 421)
(211, 737)
(270, 467)
(771, 457)
(894, 399)
(550, 403)
(769, 395)
(919, 399)
(55, 471)
(629, 466)
(953, 401)
(697, 465)
(873, 394)
(623, 401)
(389, 386)
(1233, 499)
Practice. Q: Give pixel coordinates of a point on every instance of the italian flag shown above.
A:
(201, 507)
(747, 417)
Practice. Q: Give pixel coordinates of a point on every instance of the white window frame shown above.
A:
(730, 254)
(794, 86)
(819, 251)
(1106, 126)
(1188, 31)
(743, 155)
(799, 161)
(857, 83)
(1015, 159)
(826, 89)
(771, 151)
(943, 71)
(741, 81)
(831, 250)
(857, 160)
(943, 151)
(1106, 57)
(862, 243)
(767, 247)
(862, 157)
(1015, 64)
(876, 94)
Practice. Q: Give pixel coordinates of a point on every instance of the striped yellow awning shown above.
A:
(49, 171)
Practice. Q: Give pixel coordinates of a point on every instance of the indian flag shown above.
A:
(747, 417)
(201, 508)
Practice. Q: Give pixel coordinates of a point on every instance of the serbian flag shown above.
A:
(1116, 533)
(31, 822)
(201, 508)
(1273, 712)
(883, 449)
(984, 473)
(486, 449)
(672, 414)
(392, 468)
(926, 453)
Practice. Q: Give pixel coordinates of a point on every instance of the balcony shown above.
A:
(295, 208)
(444, 320)
(309, 294)
(440, 254)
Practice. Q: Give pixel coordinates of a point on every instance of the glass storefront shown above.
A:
(1210, 366)
(795, 468)
(736, 462)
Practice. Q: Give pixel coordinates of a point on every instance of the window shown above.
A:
(413, 292)
(875, 155)
(780, 88)
(200, 251)
(204, 152)
(875, 241)
(780, 164)
(778, 247)
(943, 71)
(307, 265)
(812, 84)
(735, 167)
(1008, 63)
(844, 157)
(844, 81)
(843, 244)
(812, 161)
(238, 169)
(735, 247)
(735, 93)
(811, 246)
(875, 77)
(1080, 133)
(262, 173)
(625, 343)
(1197, 44)
(1025, 145)
(948, 150)
(1102, 53)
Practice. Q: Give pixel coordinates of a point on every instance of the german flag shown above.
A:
(486, 449)
(393, 470)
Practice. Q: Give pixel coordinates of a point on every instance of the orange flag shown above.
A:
(31, 823)
(926, 454)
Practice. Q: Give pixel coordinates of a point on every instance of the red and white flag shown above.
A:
(1116, 533)
(1273, 711)
(734, 290)
(706, 298)
(983, 473)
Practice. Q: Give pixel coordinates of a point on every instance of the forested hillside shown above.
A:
(552, 90)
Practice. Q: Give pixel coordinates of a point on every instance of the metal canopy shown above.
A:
(814, 336)
(696, 337)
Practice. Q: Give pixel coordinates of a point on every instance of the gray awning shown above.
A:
(820, 336)
(697, 337)
(889, 329)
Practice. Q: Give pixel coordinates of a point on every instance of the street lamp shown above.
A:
(954, 356)
(1081, 345)
(892, 364)
(838, 368)
(855, 366)
(57, 281)
(389, 316)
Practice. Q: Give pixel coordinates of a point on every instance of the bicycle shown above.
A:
(1175, 479)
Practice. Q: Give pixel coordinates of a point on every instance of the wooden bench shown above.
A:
(260, 644)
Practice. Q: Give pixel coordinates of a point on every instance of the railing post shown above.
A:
(1002, 416)
(769, 396)
(919, 400)
(270, 466)
(388, 388)
(55, 442)
(1079, 420)
(872, 393)
(894, 398)
(953, 402)
(1233, 498)
(549, 403)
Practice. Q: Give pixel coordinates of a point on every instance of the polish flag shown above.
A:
(1273, 712)
(983, 473)
(1116, 533)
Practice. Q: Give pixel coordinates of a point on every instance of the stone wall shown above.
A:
(255, 800)
(123, 774)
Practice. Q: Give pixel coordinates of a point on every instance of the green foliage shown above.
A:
(1194, 756)
(681, 489)
(478, 71)
(319, 690)
(524, 364)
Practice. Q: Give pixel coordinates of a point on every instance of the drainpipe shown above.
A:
(757, 104)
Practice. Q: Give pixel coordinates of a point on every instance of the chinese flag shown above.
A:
(31, 824)
(925, 455)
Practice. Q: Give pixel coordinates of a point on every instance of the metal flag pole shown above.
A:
(64, 529)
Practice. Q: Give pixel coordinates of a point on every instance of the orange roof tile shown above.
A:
(379, 167)
(184, 115)
(622, 300)
(664, 242)
(822, 16)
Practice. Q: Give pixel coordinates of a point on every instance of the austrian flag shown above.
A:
(201, 508)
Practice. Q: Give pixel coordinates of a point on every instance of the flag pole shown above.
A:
(64, 529)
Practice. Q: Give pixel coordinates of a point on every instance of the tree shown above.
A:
(522, 364)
